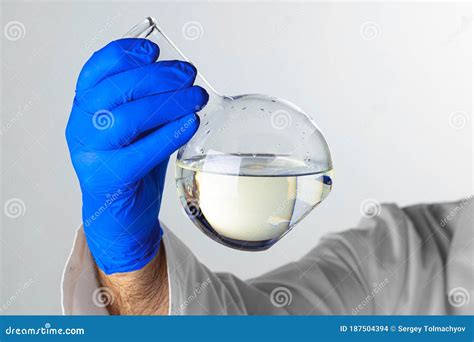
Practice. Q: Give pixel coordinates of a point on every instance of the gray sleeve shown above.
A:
(401, 261)
(391, 264)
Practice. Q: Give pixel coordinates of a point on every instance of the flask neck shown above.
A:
(149, 29)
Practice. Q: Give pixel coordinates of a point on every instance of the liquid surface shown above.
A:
(248, 202)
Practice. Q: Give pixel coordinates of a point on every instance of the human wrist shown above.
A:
(127, 252)
(141, 292)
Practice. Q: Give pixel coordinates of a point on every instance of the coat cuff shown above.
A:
(81, 293)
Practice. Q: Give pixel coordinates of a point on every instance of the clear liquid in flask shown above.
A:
(249, 202)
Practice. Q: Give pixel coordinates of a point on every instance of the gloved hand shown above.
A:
(129, 115)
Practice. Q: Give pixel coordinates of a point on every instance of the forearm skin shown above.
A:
(141, 292)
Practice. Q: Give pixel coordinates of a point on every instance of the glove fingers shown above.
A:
(145, 114)
(117, 56)
(143, 155)
(133, 84)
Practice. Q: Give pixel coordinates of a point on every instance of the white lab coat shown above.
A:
(415, 260)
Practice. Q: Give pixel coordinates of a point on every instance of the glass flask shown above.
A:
(256, 166)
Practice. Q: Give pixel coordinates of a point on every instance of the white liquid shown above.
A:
(244, 200)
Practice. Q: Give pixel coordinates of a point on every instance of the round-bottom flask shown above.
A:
(255, 168)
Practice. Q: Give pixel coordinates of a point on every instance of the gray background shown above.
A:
(396, 111)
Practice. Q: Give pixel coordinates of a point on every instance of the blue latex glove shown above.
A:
(129, 115)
